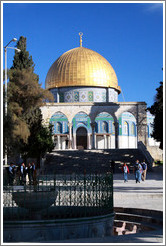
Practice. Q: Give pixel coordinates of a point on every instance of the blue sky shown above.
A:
(128, 35)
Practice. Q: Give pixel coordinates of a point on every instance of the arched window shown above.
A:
(133, 129)
(112, 127)
(104, 126)
(126, 128)
(96, 127)
(59, 127)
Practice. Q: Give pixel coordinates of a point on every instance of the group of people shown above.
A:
(140, 170)
(23, 171)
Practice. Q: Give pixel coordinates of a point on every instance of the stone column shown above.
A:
(93, 135)
(88, 142)
(109, 142)
(95, 140)
(74, 141)
(105, 142)
(58, 137)
(57, 96)
(116, 135)
(70, 135)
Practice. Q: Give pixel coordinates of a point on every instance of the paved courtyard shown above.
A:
(147, 194)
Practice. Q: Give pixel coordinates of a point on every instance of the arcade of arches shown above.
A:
(97, 129)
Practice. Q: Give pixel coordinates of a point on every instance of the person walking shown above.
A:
(144, 170)
(125, 170)
(138, 171)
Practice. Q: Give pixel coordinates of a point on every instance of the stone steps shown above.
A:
(131, 221)
(92, 160)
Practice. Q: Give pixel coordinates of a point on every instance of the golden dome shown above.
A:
(81, 67)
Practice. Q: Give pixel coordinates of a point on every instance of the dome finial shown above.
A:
(80, 34)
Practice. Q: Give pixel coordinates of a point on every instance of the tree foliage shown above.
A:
(22, 60)
(40, 138)
(157, 110)
(25, 96)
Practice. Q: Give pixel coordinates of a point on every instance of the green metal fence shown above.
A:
(59, 196)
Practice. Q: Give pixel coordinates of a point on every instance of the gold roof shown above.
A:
(81, 67)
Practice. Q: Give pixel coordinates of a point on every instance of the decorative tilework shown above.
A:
(76, 96)
(54, 92)
(90, 96)
(83, 96)
(81, 119)
(113, 127)
(59, 122)
(68, 97)
(103, 97)
(61, 97)
(97, 97)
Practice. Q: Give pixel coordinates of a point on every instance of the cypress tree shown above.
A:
(22, 60)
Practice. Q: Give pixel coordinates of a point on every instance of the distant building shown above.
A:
(86, 113)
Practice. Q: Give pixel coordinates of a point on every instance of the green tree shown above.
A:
(40, 138)
(25, 96)
(22, 60)
(157, 110)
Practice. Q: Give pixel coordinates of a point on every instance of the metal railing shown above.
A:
(59, 196)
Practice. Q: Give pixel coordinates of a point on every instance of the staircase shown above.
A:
(77, 161)
(134, 220)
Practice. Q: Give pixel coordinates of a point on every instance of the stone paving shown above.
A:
(147, 194)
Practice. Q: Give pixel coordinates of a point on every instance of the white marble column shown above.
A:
(109, 142)
(88, 142)
(74, 141)
(95, 140)
(105, 142)
(70, 135)
(116, 135)
(59, 144)
(57, 96)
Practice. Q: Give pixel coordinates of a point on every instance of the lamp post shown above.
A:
(5, 48)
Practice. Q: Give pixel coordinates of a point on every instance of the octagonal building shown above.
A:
(86, 113)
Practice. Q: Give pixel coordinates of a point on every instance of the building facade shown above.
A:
(86, 113)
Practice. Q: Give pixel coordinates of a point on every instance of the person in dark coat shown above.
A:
(30, 172)
(11, 173)
(22, 170)
(138, 171)
(33, 172)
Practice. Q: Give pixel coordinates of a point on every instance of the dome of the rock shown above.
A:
(81, 67)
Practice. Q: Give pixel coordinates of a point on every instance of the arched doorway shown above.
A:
(81, 138)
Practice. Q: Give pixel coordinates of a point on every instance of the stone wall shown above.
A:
(155, 152)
